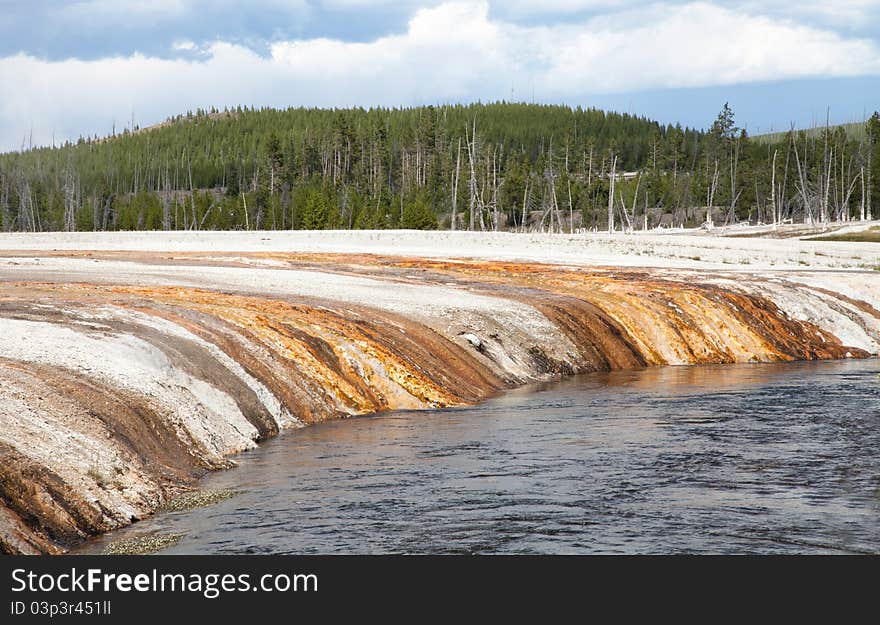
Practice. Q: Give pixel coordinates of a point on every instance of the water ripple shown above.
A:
(733, 459)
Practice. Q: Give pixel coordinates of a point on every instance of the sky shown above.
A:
(82, 67)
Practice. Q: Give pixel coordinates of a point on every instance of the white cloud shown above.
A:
(697, 45)
(183, 45)
(454, 51)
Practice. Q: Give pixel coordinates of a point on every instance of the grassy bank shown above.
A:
(871, 235)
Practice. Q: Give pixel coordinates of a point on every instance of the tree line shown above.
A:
(500, 166)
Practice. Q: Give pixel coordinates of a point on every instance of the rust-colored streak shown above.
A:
(699, 323)
(315, 351)
(286, 359)
(43, 501)
(315, 343)
(603, 344)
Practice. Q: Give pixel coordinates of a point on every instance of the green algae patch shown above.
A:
(197, 499)
(142, 545)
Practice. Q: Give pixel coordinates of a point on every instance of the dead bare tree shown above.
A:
(494, 191)
(803, 185)
(247, 225)
(628, 226)
(626, 215)
(773, 197)
(780, 205)
(846, 180)
(825, 178)
(523, 222)
(710, 196)
(611, 194)
(27, 221)
(455, 179)
(734, 163)
(70, 190)
(476, 204)
(867, 213)
(555, 225)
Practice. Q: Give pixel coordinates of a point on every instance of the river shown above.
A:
(708, 459)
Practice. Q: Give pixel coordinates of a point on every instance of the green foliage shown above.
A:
(387, 168)
(316, 212)
(417, 215)
(723, 126)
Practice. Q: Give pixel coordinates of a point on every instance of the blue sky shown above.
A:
(77, 67)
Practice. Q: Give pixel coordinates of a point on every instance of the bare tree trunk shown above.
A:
(454, 224)
(611, 195)
(802, 187)
(70, 185)
(773, 187)
(827, 188)
(476, 202)
(868, 181)
(26, 221)
(849, 191)
(734, 162)
(635, 200)
(781, 204)
(826, 172)
(554, 203)
(626, 216)
(472, 184)
(710, 198)
(494, 192)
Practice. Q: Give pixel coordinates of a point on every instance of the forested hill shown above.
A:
(479, 166)
(309, 167)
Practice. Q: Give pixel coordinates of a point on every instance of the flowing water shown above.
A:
(709, 459)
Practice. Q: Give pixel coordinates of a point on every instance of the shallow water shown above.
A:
(710, 459)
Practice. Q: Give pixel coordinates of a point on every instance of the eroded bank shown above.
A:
(125, 376)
